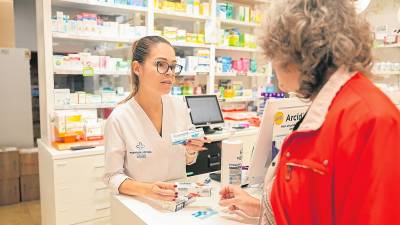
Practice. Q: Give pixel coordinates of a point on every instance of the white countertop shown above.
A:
(150, 212)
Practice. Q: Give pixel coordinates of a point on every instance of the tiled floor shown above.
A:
(24, 213)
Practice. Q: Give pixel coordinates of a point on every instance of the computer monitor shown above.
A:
(204, 111)
(279, 118)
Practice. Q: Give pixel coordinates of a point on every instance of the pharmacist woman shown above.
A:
(139, 155)
(341, 165)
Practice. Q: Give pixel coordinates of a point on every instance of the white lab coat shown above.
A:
(134, 149)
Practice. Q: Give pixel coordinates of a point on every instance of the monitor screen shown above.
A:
(204, 109)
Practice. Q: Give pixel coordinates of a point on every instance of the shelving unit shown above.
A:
(69, 43)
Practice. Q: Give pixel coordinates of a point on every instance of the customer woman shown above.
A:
(139, 155)
(341, 166)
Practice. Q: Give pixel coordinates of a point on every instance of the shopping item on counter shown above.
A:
(179, 204)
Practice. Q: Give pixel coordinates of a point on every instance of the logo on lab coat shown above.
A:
(140, 152)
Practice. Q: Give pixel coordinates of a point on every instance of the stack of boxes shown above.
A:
(29, 174)
(19, 175)
(77, 128)
(9, 176)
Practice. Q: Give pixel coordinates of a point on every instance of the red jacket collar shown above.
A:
(319, 107)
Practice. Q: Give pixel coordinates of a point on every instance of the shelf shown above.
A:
(192, 74)
(239, 23)
(239, 99)
(126, 51)
(249, 2)
(181, 15)
(79, 72)
(189, 45)
(234, 74)
(241, 49)
(58, 35)
(226, 74)
(256, 75)
(99, 6)
(85, 106)
(389, 46)
(386, 72)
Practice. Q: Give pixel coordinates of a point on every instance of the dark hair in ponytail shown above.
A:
(140, 50)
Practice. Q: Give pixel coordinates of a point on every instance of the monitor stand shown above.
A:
(216, 176)
(208, 130)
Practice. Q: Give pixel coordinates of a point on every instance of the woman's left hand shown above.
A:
(196, 145)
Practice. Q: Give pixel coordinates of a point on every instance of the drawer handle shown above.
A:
(64, 188)
(62, 164)
(101, 188)
(102, 207)
(99, 166)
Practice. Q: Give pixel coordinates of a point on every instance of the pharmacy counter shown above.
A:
(127, 210)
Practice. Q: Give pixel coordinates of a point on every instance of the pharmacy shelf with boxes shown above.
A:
(386, 70)
(87, 61)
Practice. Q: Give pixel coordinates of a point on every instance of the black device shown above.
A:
(216, 176)
(207, 161)
(204, 111)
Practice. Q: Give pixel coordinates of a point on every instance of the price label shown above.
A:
(88, 71)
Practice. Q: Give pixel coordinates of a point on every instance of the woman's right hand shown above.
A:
(161, 191)
(236, 198)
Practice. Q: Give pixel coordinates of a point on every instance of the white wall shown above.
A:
(25, 24)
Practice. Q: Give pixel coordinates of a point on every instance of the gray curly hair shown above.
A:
(317, 35)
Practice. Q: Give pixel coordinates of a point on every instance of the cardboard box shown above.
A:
(30, 189)
(7, 27)
(9, 163)
(9, 191)
(28, 161)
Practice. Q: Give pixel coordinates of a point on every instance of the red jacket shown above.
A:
(342, 166)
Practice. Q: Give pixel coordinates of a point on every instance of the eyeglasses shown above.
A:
(163, 67)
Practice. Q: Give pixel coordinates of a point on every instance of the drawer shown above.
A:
(102, 194)
(101, 221)
(75, 214)
(76, 170)
(102, 210)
